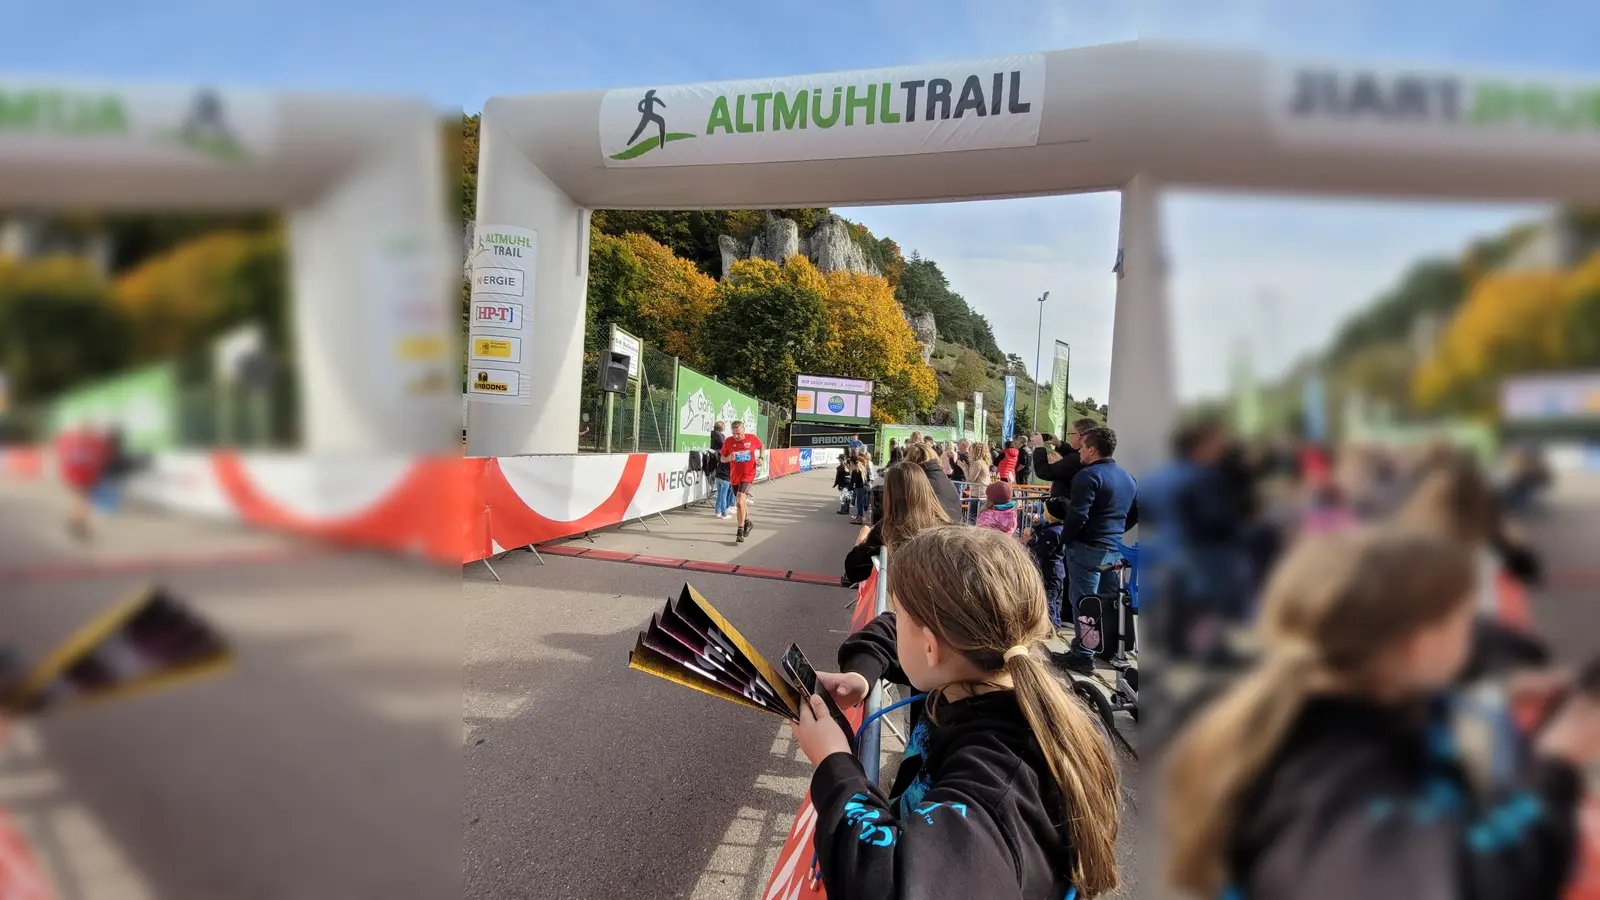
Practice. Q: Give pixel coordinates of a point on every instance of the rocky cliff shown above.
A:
(829, 246)
(926, 330)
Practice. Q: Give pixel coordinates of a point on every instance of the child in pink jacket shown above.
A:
(1000, 511)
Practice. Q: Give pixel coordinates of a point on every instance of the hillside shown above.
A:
(1440, 341)
(947, 359)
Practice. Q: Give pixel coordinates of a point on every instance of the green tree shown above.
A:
(58, 327)
(469, 166)
(923, 288)
(970, 373)
(769, 324)
(615, 276)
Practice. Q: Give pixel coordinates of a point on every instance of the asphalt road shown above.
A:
(586, 779)
(324, 766)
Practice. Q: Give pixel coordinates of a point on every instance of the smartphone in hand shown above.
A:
(804, 678)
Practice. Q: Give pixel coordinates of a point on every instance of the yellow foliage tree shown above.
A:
(870, 338)
(1511, 322)
(671, 304)
(182, 298)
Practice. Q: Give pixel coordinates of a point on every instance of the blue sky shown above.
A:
(1320, 259)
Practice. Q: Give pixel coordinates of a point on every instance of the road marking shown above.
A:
(696, 565)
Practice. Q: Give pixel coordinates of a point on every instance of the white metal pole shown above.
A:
(1038, 341)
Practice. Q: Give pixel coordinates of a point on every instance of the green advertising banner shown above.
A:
(961, 419)
(1057, 424)
(702, 402)
(143, 402)
(902, 434)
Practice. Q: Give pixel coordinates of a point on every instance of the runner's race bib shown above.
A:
(742, 456)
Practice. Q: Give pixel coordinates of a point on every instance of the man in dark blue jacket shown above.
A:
(1103, 506)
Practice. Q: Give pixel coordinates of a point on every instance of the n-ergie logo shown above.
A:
(677, 481)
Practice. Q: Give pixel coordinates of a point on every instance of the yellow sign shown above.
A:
(494, 387)
(492, 347)
(420, 347)
(802, 402)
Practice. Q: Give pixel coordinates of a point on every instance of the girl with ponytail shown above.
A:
(1008, 788)
(1330, 771)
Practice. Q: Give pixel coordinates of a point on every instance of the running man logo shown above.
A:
(484, 384)
(206, 129)
(647, 117)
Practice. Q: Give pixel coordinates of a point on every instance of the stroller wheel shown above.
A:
(1096, 700)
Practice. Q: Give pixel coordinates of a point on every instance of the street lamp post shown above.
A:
(1038, 341)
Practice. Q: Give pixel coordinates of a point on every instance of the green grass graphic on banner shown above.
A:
(648, 144)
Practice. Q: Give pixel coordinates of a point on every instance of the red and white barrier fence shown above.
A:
(446, 508)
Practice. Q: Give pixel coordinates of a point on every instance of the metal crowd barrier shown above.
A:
(1029, 498)
(870, 740)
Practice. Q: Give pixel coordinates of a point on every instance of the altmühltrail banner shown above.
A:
(939, 108)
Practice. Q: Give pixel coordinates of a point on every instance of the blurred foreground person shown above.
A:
(1331, 771)
(1199, 511)
(1454, 498)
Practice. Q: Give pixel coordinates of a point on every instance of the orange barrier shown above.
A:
(792, 878)
(21, 462)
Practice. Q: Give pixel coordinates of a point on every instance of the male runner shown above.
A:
(741, 452)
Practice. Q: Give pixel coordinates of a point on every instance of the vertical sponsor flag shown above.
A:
(1314, 403)
(980, 418)
(1057, 424)
(1246, 394)
(1008, 422)
(961, 419)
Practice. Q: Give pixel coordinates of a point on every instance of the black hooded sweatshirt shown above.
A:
(1371, 801)
(974, 811)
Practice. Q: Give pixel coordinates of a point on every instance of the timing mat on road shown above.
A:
(693, 565)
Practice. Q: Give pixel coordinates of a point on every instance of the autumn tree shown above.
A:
(769, 323)
(642, 287)
(870, 338)
(1511, 322)
(177, 301)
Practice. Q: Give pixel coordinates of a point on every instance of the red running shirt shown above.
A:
(743, 467)
(80, 456)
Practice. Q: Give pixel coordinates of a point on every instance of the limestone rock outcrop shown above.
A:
(829, 246)
(926, 330)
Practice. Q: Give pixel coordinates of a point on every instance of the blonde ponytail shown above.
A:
(1220, 757)
(978, 591)
(1080, 759)
(1322, 610)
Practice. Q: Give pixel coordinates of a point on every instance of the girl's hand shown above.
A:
(848, 688)
(819, 736)
(1573, 733)
(1537, 687)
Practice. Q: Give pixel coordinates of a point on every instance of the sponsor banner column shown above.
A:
(500, 368)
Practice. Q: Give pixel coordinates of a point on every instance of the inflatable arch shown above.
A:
(1134, 117)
